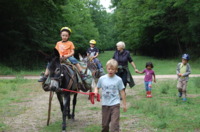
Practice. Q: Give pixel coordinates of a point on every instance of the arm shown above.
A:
(96, 55)
(188, 72)
(123, 100)
(132, 63)
(139, 72)
(134, 66)
(69, 55)
(178, 70)
(96, 91)
(154, 76)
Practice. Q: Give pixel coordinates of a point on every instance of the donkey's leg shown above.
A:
(68, 108)
(74, 105)
(60, 99)
(64, 113)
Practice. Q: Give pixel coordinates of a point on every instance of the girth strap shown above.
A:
(71, 75)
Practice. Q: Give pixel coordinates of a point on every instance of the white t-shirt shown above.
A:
(110, 89)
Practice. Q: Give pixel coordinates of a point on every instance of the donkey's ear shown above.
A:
(56, 53)
(80, 57)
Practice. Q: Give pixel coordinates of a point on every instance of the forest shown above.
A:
(162, 29)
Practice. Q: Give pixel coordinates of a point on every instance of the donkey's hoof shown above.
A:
(63, 128)
(69, 116)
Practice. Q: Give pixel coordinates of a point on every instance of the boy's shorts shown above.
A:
(73, 60)
(182, 85)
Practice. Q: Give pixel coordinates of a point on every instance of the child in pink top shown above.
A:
(149, 74)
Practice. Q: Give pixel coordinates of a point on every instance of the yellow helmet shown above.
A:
(66, 28)
(93, 41)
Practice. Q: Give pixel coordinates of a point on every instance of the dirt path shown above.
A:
(34, 117)
(134, 76)
(35, 114)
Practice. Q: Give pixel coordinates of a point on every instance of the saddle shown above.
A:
(71, 69)
(73, 73)
(93, 68)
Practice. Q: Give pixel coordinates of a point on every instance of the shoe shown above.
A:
(184, 99)
(150, 96)
(180, 94)
(147, 94)
(42, 79)
(101, 72)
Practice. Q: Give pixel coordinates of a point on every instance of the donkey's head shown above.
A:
(55, 70)
(83, 60)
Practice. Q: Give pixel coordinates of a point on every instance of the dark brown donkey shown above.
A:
(63, 76)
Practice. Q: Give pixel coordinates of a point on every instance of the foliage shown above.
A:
(158, 28)
(28, 26)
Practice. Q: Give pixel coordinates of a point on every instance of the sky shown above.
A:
(106, 4)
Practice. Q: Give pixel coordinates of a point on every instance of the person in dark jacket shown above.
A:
(123, 56)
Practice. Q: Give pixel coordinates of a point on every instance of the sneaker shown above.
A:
(180, 94)
(42, 79)
(150, 96)
(147, 93)
(184, 99)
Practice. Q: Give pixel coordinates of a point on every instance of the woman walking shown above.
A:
(122, 56)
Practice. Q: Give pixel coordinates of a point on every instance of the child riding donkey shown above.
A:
(66, 51)
(93, 53)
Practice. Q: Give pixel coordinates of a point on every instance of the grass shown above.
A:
(4, 70)
(161, 66)
(165, 111)
(13, 92)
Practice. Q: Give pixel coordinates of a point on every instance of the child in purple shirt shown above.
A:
(149, 74)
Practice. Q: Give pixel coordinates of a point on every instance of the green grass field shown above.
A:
(161, 66)
(164, 112)
(13, 92)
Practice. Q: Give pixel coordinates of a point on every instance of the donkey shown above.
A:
(91, 70)
(63, 76)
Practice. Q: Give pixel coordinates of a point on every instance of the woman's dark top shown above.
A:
(122, 57)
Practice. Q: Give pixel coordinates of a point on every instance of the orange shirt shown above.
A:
(64, 48)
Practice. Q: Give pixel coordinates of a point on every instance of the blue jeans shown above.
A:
(73, 60)
(98, 63)
(148, 85)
